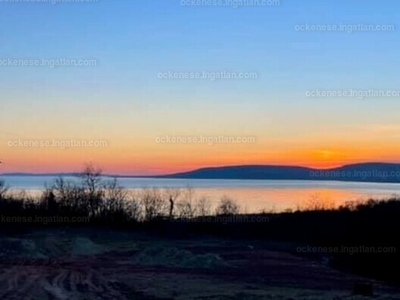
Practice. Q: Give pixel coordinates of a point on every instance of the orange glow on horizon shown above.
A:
(174, 164)
(153, 159)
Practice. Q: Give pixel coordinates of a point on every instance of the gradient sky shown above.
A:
(124, 102)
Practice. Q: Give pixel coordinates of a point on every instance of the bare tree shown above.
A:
(3, 189)
(114, 197)
(315, 202)
(91, 180)
(134, 209)
(172, 194)
(227, 206)
(203, 207)
(70, 196)
(187, 207)
(152, 202)
(48, 200)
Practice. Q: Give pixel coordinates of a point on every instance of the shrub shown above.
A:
(227, 206)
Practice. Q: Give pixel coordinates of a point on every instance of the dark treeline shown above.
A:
(357, 237)
(94, 200)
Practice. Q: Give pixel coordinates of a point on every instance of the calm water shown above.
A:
(253, 195)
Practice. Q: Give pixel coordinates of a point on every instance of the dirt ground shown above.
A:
(113, 265)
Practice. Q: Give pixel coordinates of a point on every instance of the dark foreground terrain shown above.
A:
(92, 240)
(100, 264)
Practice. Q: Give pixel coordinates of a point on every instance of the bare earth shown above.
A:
(111, 265)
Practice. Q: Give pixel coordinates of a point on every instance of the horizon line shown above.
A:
(197, 169)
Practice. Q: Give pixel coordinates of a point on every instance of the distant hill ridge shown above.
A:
(363, 172)
(367, 172)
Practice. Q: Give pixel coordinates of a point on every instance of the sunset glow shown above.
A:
(134, 97)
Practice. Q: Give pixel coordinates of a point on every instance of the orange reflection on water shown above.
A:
(280, 199)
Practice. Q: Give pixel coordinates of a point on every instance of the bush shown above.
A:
(227, 206)
(3, 189)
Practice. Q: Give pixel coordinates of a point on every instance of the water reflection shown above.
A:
(252, 195)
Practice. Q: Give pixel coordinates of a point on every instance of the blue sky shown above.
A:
(123, 100)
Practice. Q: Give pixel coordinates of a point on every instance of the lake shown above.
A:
(252, 195)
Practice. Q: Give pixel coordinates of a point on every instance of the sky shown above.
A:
(141, 106)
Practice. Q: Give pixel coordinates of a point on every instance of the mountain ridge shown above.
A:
(360, 172)
(365, 172)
